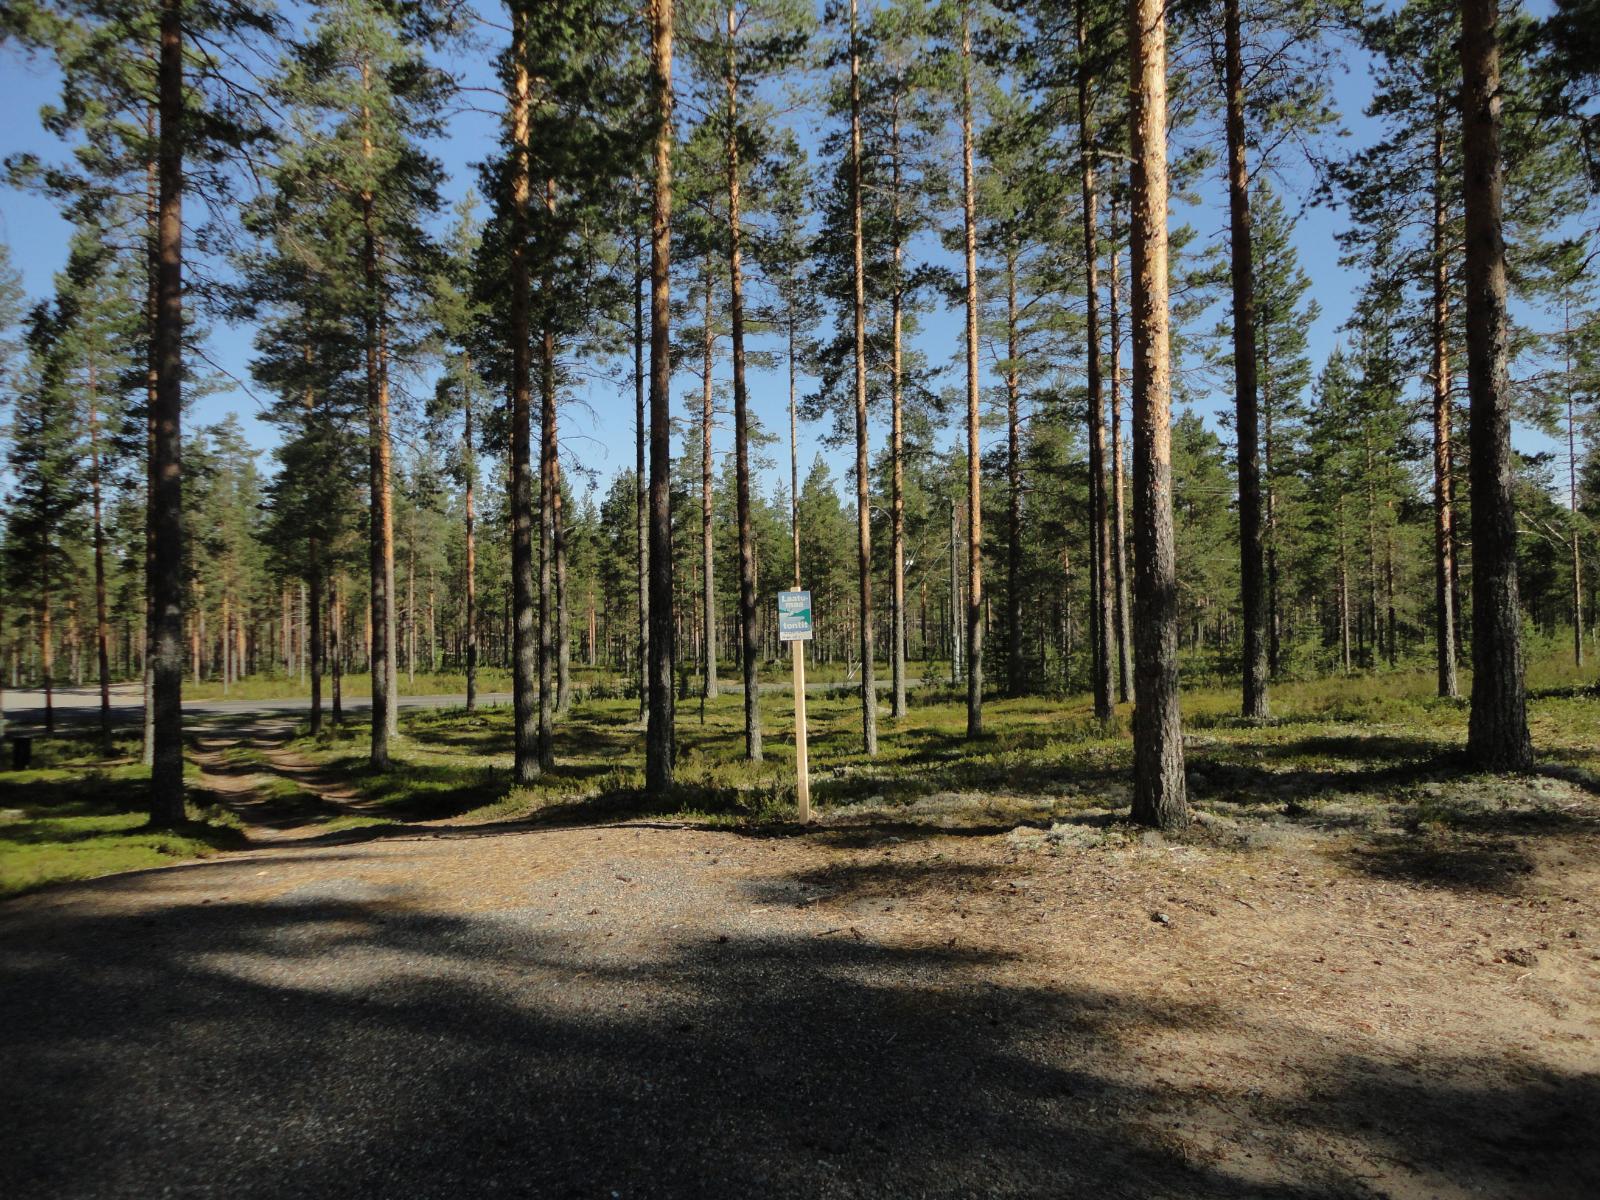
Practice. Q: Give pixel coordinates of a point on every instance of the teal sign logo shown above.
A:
(794, 617)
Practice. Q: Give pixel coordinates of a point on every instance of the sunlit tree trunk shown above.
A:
(869, 695)
(1497, 733)
(1158, 781)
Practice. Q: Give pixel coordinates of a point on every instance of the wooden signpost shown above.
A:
(794, 625)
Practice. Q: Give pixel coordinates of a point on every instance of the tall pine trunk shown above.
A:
(546, 516)
(794, 455)
(470, 464)
(869, 692)
(527, 761)
(384, 709)
(558, 533)
(314, 571)
(1252, 549)
(1101, 641)
(897, 436)
(660, 736)
(1015, 675)
(1444, 559)
(1497, 732)
(1158, 783)
(166, 499)
(102, 628)
(969, 211)
(641, 502)
(1119, 524)
(708, 641)
(741, 431)
(1572, 496)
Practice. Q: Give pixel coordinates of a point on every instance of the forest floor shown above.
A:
(1363, 972)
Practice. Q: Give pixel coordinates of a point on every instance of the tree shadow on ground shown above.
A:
(339, 1043)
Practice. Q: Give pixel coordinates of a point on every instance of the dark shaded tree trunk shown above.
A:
(336, 650)
(1159, 797)
(1497, 732)
(1099, 542)
(547, 468)
(749, 649)
(314, 573)
(527, 762)
(1252, 589)
(708, 635)
(558, 535)
(969, 210)
(641, 492)
(1119, 526)
(897, 437)
(660, 738)
(1015, 672)
(1444, 559)
(166, 499)
(102, 628)
(469, 456)
(384, 708)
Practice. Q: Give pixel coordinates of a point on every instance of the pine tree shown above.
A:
(1158, 780)
(1497, 734)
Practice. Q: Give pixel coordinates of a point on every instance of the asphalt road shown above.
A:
(24, 709)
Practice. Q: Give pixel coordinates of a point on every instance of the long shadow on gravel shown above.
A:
(328, 1045)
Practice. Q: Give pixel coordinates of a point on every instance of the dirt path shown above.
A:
(866, 1010)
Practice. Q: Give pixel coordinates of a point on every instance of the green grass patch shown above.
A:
(88, 818)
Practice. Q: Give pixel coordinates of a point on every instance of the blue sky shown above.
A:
(598, 430)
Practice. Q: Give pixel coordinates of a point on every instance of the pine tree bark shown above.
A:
(314, 578)
(558, 533)
(869, 693)
(974, 459)
(794, 454)
(1099, 541)
(1158, 780)
(1497, 732)
(546, 516)
(1252, 549)
(152, 204)
(1119, 525)
(660, 737)
(1572, 498)
(166, 500)
(897, 499)
(336, 651)
(470, 462)
(102, 628)
(1444, 559)
(527, 761)
(379, 480)
(708, 638)
(641, 503)
(1015, 674)
(741, 421)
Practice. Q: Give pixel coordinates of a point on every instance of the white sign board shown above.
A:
(794, 617)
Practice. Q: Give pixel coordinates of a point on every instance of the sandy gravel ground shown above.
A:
(874, 1009)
